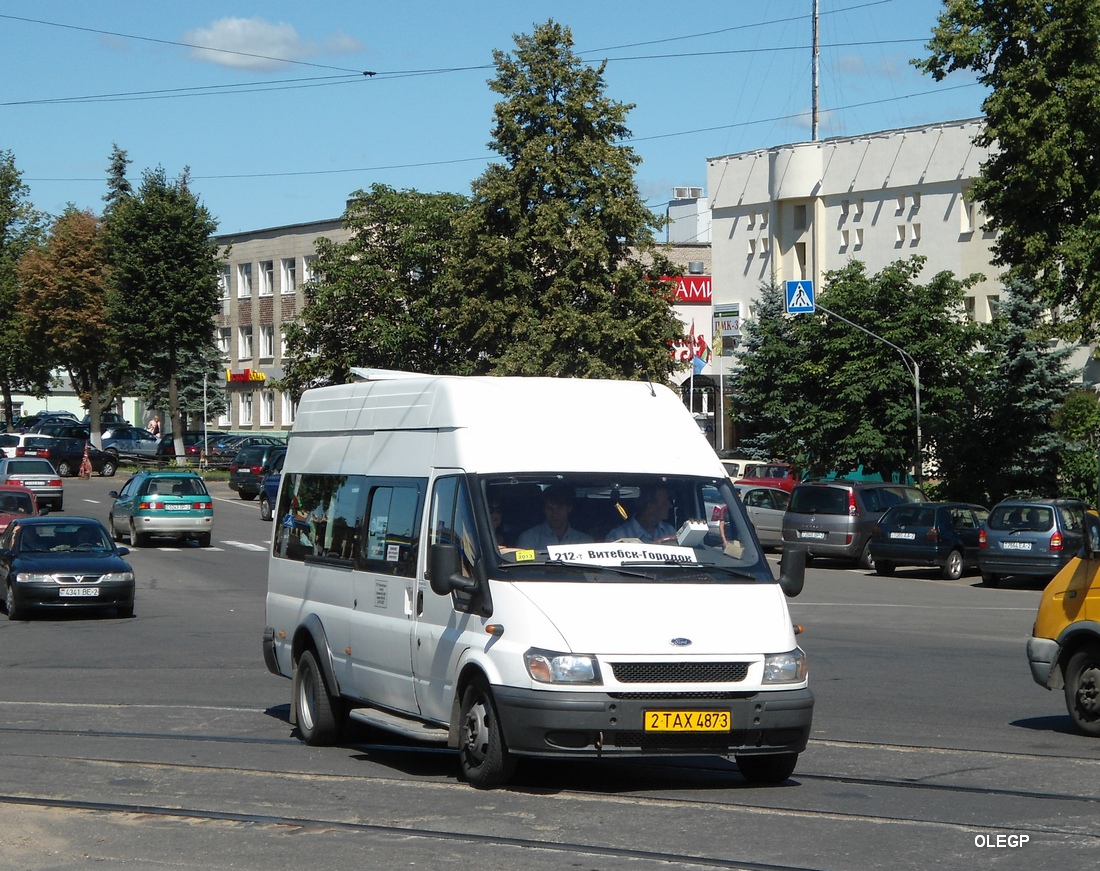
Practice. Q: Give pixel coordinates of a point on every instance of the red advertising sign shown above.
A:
(693, 289)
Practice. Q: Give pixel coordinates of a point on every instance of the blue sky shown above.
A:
(281, 126)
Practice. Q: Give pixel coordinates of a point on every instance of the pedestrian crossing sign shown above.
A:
(800, 297)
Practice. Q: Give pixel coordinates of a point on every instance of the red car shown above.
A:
(781, 475)
(16, 502)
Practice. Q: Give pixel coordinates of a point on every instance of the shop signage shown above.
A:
(244, 377)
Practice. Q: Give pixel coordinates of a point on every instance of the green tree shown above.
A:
(164, 282)
(1078, 422)
(557, 271)
(820, 391)
(375, 299)
(1041, 182)
(24, 367)
(64, 304)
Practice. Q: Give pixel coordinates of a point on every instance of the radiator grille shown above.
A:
(679, 672)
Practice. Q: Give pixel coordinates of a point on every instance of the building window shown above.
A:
(267, 340)
(289, 407)
(244, 279)
(763, 246)
(800, 260)
(752, 247)
(969, 306)
(267, 408)
(244, 343)
(309, 264)
(845, 238)
(845, 208)
(267, 278)
(225, 418)
(859, 238)
(290, 275)
(901, 205)
(224, 279)
(752, 221)
(967, 213)
(994, 302)
(914, 232)
(246, 408)
(225, 336)
(763, 220)
(859, 211)
(282, 343)
(916, 202)
(800, 217)
(899, 236)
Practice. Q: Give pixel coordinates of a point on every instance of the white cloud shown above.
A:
(255, 44)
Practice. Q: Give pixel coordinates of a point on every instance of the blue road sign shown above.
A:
(800, 297)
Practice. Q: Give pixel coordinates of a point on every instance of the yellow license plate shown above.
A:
(687, 721)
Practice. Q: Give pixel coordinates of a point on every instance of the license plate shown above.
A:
(904, 536)
(1015, 545)
(177, 507)
(34, 483)
(78, 592)
(819, 536)
(687, 721)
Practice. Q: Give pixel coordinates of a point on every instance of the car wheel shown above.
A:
(882, 567)
(246, 496)
(1083, 689)
(108, 470)
(64, 468)
(952, 569)
(265, 508)
(866, 561)
(990, 580)
(137, 539)
(769, 770)
(319, 713)
(11, 606)
(115, 534)
(203, 539)
(484, 758)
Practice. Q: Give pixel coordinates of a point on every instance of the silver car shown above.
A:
(765, 507)
(37, 475)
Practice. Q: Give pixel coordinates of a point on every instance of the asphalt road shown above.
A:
(162, 742)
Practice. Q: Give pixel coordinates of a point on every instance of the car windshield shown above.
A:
(62, 537)
(598, 527)
(910, 515)
(16, 503)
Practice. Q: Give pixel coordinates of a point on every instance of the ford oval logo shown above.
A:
(681, 642)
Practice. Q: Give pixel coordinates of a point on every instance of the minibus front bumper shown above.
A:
(549, 723)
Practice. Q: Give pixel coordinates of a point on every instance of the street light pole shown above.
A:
(914, 371)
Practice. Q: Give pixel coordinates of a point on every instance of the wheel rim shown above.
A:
(478, 730)
(1087, 696)
(954, 564)
(307, 699)
(9, 600)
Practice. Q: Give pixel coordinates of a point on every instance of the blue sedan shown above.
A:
(67, 563)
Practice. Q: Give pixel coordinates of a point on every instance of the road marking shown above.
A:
(244, 545)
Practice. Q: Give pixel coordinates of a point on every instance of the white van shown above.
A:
(528, 567)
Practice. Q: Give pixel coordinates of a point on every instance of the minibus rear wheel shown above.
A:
(485, 760)
(1083, 689)
(319, 714)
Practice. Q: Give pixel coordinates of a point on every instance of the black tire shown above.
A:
(865, 559)
(769, 770)
(137, 539)
(11, 606)
(115, 534)
(265, 508)
(126, 611)
(953, 567)
(320, 715)
(203, 539)
(990, 580)
(246, 496)
(1083, 689)
(109, 469)
(882, 567)
(64, 468)
(485, 759)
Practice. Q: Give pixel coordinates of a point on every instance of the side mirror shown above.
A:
(122, 550)
(113, 494)
(443, 574)
(792, 570)
(43, 510)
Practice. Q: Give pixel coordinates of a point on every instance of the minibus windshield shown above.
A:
(650, 526)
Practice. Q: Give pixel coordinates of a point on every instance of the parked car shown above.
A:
(61, 428)
(941, 534)
(162, 503)
(738, 467)
(1030, 538)
(193, 441)
(16, 501)
(249, 467)
(130, 441)
(37, 475)
(106, 419)
(63, 563)
(12, 442)
(834, 518)
(781, 475)
(228, 447)
(765, 507)
(66, 455)
(269, 488)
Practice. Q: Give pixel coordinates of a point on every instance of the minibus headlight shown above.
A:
(545, 666)
(787, 667)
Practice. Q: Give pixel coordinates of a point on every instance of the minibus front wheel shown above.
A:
(485, 760)
(319, 714)
(1083, 689)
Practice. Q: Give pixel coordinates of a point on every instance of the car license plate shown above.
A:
(1015, 545)
(904, 536)
(818, 536)
(34, 483)
(78, 592)
(687, 721)
(177, 507)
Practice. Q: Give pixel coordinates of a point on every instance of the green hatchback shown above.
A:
(166, 503)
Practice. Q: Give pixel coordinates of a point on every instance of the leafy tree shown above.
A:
(557, 271)
(1007, 443)
(1078, 422)
(164, 282)
(825, 393)
(23, 365)
(375, 299)
(1041, 181)
(64, 304)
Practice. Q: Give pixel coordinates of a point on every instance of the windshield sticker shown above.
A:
(523, 556)
(617, 554)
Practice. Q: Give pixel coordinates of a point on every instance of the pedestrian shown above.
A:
(154, 425)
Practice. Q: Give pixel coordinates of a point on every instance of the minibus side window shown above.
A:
(320, 517)
(392, 531)
(452, 522)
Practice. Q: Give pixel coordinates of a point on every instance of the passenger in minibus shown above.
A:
(557, 504)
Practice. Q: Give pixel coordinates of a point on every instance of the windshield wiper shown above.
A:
(561, 564)
(705, 566)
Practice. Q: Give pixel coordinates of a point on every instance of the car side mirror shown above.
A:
(122, 550)
(443, 574)
(792, 570)
(113, 494)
